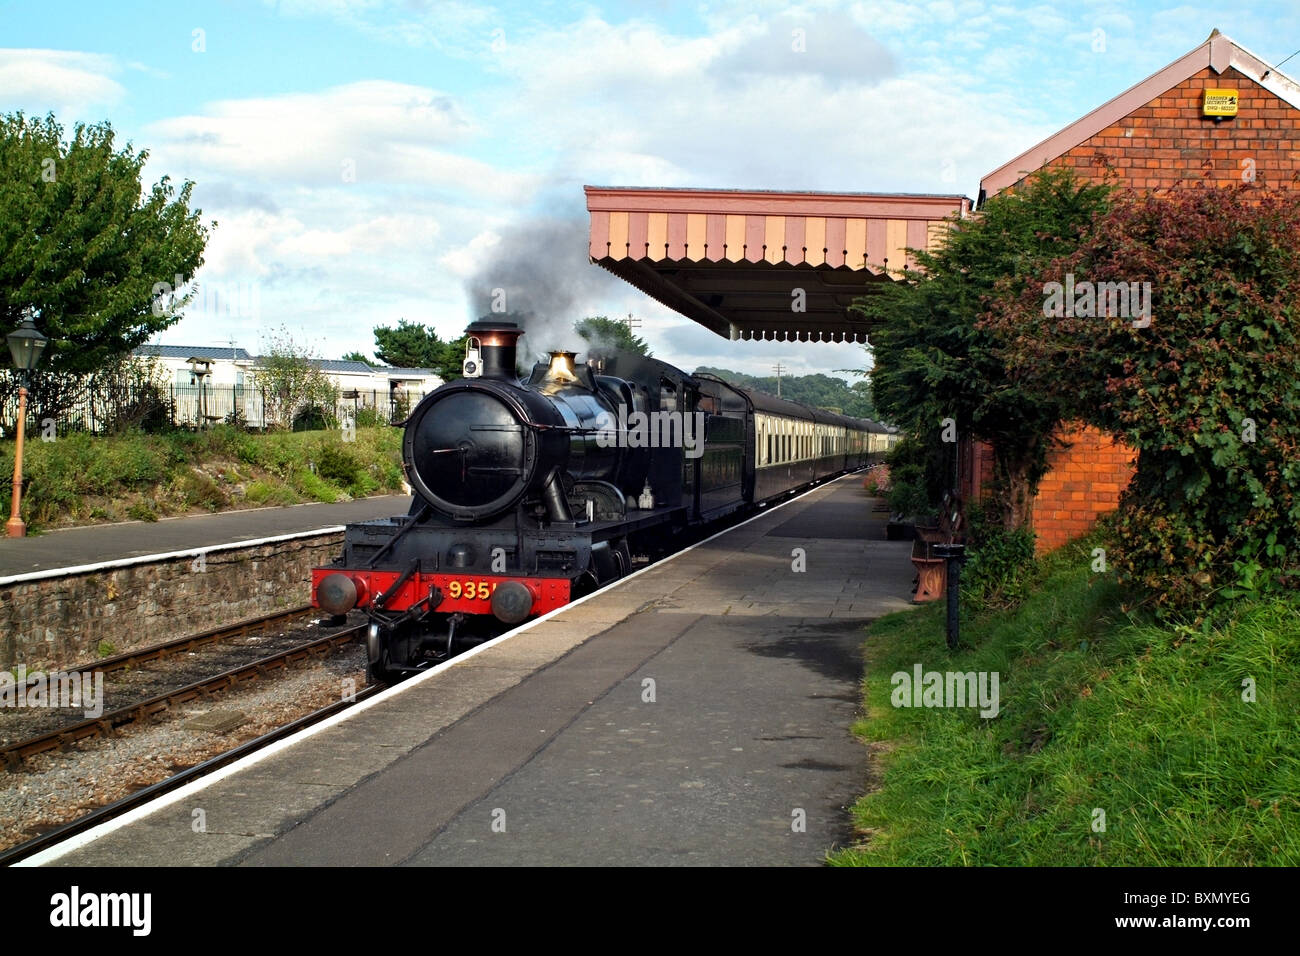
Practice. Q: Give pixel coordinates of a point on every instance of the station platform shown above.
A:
(94, 544)
(696, 713)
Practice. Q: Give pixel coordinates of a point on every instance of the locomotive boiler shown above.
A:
(528, 493)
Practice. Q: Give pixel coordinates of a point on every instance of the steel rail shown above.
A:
(14, 754)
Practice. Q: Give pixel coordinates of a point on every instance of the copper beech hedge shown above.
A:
(1174, 325)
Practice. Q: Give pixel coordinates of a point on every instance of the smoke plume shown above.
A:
(540, 276)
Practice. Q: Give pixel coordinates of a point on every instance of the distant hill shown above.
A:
(820, 391)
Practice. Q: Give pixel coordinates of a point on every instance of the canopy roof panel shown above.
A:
(754, 264)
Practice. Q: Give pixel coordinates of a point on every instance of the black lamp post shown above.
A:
(26, 345)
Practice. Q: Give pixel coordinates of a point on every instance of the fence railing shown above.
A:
(185, 406)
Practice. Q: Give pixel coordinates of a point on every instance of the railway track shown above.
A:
(14, 754)
(118, 807)
(181, 645)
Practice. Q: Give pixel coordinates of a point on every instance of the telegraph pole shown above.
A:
(778, 368)
(630, 322)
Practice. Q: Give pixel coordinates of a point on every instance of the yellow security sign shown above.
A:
(1219, 103)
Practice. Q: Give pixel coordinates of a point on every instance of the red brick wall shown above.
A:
(1168, 141)
(1084, 480)
(1159, 145)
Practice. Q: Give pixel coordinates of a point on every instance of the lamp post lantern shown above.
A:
(25, 347)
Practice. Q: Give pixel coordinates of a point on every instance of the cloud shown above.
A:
(829, 45)
(738, 107)
(372, 131)
(68, 83)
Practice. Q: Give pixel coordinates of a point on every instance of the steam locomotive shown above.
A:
(530, 493)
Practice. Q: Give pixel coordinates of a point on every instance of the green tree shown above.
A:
(818, 390)
(599, 332)
(412, 345)
(862, 405)
(88, 247)
(293, 384)
(933, 360)
(358, 357)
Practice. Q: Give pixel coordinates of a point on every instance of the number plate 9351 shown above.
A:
(471, 590)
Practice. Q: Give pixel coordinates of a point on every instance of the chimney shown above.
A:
(496, 342)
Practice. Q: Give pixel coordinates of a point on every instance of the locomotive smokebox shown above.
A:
(497, 346)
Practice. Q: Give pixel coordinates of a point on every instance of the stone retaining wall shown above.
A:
(59, 622)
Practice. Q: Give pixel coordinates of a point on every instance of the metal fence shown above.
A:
(182, 406)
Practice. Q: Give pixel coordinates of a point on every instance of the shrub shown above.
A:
(196, 489)
(1204, 390)
(915, 485)
(338, 466)
(999, 563)
(310, 418)
(263, 492)
(311, 485)
(150, 410)
(370, 418)
(141, 511)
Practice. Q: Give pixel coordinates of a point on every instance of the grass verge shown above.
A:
(84, 479)
(1181, 743)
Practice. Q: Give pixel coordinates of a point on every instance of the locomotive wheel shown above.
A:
(381, 672)
(622, 559)
(583, 584)
(378, 661)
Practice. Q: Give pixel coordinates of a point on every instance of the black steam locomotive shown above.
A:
(528, 494)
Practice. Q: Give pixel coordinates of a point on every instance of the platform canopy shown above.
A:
(759, 264)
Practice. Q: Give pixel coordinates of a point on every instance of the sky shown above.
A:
(372, 160)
